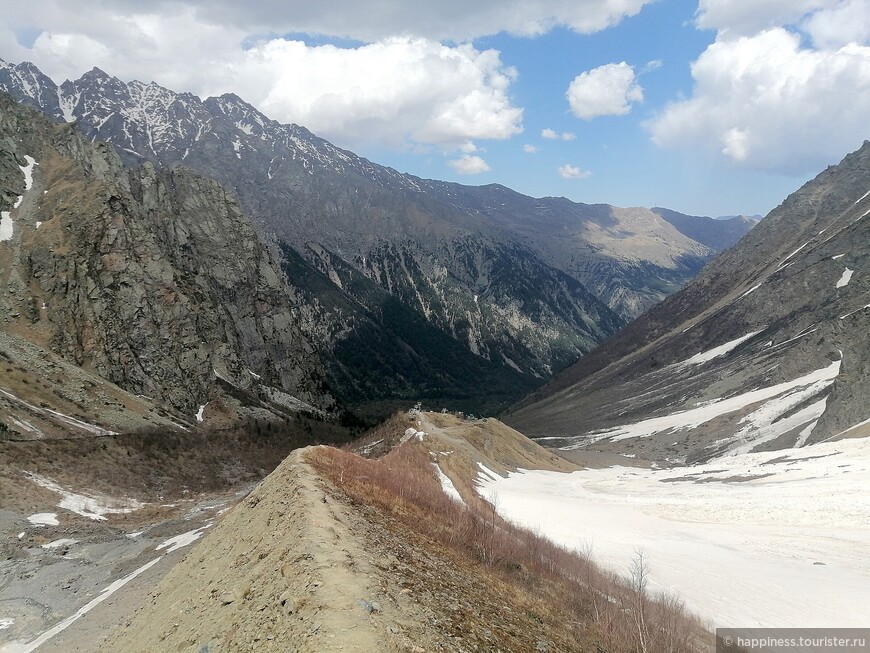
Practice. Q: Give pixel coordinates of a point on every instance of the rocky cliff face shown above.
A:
(155, 280)
(766, 349)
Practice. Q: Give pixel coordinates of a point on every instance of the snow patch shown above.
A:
(716, 352)
(694, 417)
(6, 623)
(485, 473)
(845, 278)
(751, 290)
(65, 419)
(94, 507)
(412, 434)
(183, 540)
(447, 485)
(866, 306)
(767, 423)
(838, 256)
(28, 171)
(199, 413)
(56, 544)
(6, 226)
(44, 519)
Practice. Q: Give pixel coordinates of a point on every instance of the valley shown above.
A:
(630, 426)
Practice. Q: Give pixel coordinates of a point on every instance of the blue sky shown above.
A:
(714, 107)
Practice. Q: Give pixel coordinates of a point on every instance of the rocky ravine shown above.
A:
(153, 279)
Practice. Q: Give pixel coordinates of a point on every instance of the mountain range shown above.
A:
(407, 287)
(766, 349)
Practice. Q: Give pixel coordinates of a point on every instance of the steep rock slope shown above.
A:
(154, 280)
(352, 230)
(766, 349)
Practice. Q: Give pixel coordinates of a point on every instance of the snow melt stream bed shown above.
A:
(774, 539)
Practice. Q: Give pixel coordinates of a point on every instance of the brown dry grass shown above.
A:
(596, 609)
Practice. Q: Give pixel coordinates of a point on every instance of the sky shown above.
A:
(714, 107)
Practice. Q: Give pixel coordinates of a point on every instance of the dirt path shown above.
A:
(285, 565)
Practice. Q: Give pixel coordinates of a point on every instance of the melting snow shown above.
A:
(6, 226)
(786, 546)
(412, 433)
(59, 543)
(843, 317)
(487, 472)
(180, 541)
(687, 419)
(6, 623)
(767, 423)
(92, 507)
(751, 290)
(447, 485)
(845, 278)
(65, 419)
(44, 519)
(716, 352)
(28, 172)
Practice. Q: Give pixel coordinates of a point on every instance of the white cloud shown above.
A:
(399, 85)
(848, 22)
(397, 91)
(530, 149)
(608, 90)
(766, 102)
(553, 135)
(829, 23)
(740, 17)
(568, 171)
(469, 164)
(454, 20)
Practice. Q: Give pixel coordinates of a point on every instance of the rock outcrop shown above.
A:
(152, 278)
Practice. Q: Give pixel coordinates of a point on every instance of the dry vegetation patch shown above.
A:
(575, 604)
